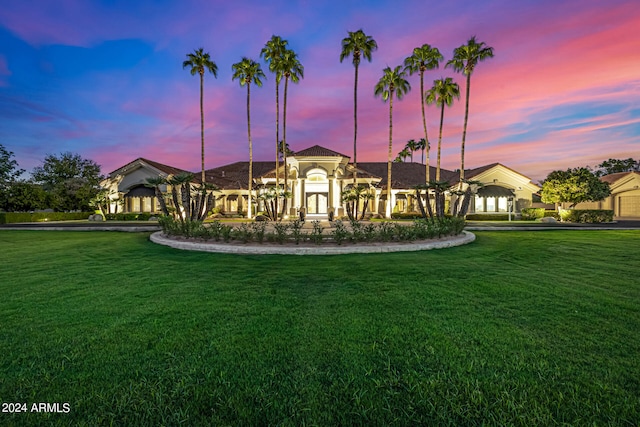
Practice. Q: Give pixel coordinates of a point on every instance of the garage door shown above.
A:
(630, 206)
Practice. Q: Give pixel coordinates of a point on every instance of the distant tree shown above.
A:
(198, 62)
(617, 165)
(573, 186)
(422, 59)
(357, 45)
(422, 145)
(402, 155)
(23, 196)
(248, 71)
(392, 82)
(9, 174)
(71, 181)
(411, 146)
(465, 59)
(9, 171)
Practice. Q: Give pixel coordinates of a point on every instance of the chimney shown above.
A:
(222, 173)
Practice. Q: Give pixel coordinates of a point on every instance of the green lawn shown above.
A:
(517, 328)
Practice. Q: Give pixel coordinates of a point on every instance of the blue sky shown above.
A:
(104, 79)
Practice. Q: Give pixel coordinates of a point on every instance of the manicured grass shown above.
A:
(518, 328)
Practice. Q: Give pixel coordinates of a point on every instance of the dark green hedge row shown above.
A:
(587, 215)
(130, 216)
(489, 217)
(15, 217)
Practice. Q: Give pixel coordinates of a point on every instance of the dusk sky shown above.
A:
(104, 79)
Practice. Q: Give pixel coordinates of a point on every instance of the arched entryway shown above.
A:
(493, 199)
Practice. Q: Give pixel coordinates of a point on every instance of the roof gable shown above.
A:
(318, 151)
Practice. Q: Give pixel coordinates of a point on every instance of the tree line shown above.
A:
(65, 182)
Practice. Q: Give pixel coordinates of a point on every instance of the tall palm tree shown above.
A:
(292, 69)
(423, 58)
(199, 62)
(392, 82)
(358, 45)
(272, 53)
(465, 59)
(442, 93)
(248, 71)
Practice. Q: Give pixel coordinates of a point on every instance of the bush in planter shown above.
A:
(532, 213)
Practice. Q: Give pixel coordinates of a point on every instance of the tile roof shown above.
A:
(169, 170)
(613, 177)
(405, 175)
(318, 151)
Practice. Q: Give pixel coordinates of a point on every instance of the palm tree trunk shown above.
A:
(424, 125)
(419, 197)
(464, 130)
(202, 122)
(275, 213)
(284, 144)
(163, 203)
(439, 143)
(355, 126)
(250, 149)
(390, 156)
(176, 202)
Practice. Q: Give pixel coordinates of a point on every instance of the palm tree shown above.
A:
(411, 146)
(272, 53)
(248, 71)
(155, 183)
(358, 44)
(392, 82)
(200, 61)
(465, 59)
(423, 58)
(422, 145)
(442, 93)
(292, 69)
(402, 155)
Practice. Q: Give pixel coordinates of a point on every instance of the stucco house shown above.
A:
(625, 195)
(316, 177)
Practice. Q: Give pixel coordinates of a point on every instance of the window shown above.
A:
(479, 204)
(491, 204)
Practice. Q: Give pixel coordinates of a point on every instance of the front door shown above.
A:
(317, 203)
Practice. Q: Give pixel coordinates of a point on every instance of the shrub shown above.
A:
(340, 232)
(406, 215)
(586, 215)
(316, 233)
(281, 231)
(385, 231)
(489, 217)
(258, 230)
(16, 217)
(244, 233)
(296, 230)
(532, 213)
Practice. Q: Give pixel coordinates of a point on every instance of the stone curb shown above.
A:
(267, 249)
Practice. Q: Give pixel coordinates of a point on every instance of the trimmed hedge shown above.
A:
(16, 217)
(490, 217)
(130, 216)
(587, 215)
